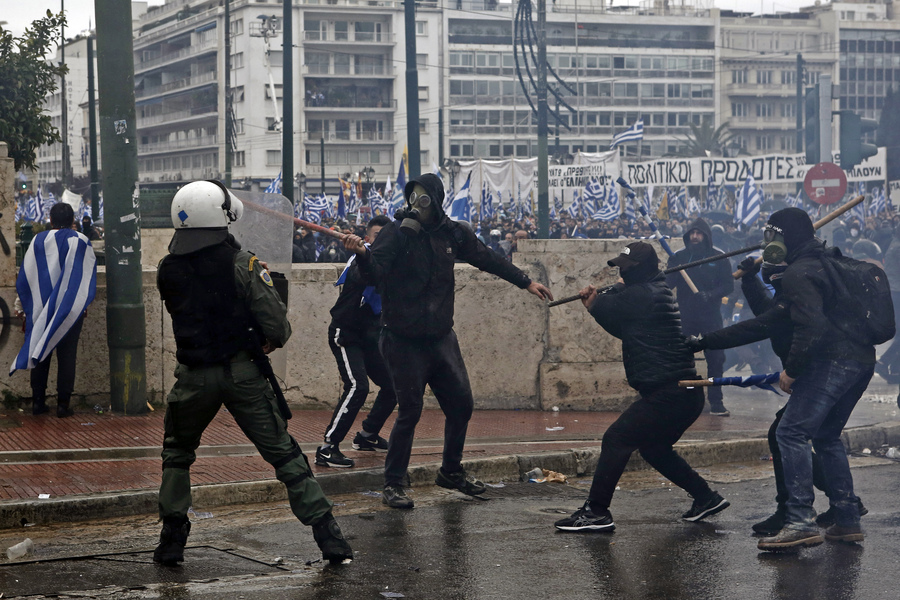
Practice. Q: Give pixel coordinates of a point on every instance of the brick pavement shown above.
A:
(27, 470)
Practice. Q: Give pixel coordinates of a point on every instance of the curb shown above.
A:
(577, 461)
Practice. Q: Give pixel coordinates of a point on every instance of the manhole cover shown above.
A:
(122, 570)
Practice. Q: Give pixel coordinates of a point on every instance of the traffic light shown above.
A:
(853, 149)
(811, 127)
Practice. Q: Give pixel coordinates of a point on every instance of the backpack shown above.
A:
(861, 306)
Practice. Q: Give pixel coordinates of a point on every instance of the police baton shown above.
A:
(817, 225)
(262, 362)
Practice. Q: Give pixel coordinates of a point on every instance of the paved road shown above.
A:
(452, 547)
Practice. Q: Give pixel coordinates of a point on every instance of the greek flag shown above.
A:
(275, 185)
(693, 206)
(611, 209)
(629, 211)
(33, 210)
(878, 204)
(376, 202)
(574, 209)
(20, 209)
(342, 202)
(632, 134)
(47, 204)
(56, 284)
(486, 210)
(746, 208)
(593, 197)
(353, 201)
(316, 205)
(461, 207)
(712, 194)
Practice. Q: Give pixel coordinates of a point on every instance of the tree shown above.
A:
(26, 78)
(705, 140)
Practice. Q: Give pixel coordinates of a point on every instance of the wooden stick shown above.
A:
(697, 383)
(300, 222)
(817, 225)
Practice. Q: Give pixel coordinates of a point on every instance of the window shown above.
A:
(238, 159)
(237, 60)
(272, 124)
(764, 110)
(487, 59)
(279, 91)
(237, 27)
(276, 58)
(421, 61)
(423, 125)
(787, 143)
(789, 110)
(273, 158)
(462, 88)
(423, 93)
(237, 93)
(238, 126)
(738, 109)
(788, 77)
(423, 157)
(341, 31)
(763, 142)
(421, 28)
(461, 59)
(764, 77)
(739, 76)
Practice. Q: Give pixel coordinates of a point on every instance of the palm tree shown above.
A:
(705, 140)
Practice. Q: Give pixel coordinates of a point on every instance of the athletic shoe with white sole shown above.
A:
(701, 510)
(333, 457)
(376, 442)
(584, 519)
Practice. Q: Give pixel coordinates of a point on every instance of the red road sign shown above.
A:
(825, 183)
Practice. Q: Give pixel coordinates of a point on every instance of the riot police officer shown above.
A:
(219, 297)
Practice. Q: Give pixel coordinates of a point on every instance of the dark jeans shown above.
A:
(414, 363)
(821, 402)
(651, 425)
(781, 493)
(357, 363)
(66, 354)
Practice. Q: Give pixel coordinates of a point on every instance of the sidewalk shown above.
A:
(114, 460)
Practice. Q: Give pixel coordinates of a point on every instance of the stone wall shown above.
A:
(519, 353)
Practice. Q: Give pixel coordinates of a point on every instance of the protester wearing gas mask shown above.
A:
(772, 320)
(412, 263)
(825, 371)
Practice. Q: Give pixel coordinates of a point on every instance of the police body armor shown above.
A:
(210, 322)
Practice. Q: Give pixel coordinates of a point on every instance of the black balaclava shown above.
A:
(795, 226)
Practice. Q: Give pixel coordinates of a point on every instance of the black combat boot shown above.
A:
(172, 540)
(330, 539)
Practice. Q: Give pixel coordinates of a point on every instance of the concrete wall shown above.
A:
(519, 353)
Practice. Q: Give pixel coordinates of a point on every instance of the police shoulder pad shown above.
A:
(267, 279)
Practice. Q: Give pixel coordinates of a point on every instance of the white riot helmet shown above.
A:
(201, 213)
(204, 205)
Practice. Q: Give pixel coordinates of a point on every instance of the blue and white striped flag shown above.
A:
(56, 283)
(633, 133)
(712, 194)
(878, 204)
(746, 208)
(574, 209)
(486, 210)
(275, 185)
(376, 202)
(461, 207)
(611, 208)
(316, 205)
(33, 210)
(47, 204)
(593, 197)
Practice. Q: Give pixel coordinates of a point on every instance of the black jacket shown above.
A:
(351, 313)
(414, 274)
(772, 320)
(645, 317)
(808, 292)
(701, 312)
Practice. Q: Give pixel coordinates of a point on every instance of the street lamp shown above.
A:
(369, 174)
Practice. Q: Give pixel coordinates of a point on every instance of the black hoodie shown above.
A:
(701, 312)
(415, 273)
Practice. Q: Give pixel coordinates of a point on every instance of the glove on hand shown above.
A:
(749, 266)
(695, 343)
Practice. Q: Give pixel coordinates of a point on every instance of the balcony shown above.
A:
(189, 144)
(326, 103)
(368, 71)
(207, 46)
(178, 84)
(351, 137)
(179, 115)
(350, 37)
(761, 89)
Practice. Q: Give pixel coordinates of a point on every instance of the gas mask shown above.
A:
(774, 249)
(419, 210)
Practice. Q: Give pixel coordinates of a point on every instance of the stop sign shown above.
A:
(825, 183)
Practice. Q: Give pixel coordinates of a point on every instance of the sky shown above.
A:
(18, 14)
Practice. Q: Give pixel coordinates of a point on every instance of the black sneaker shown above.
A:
(64, 411)
(376, 442)
(700, 511)
(332, 457)
(829, 517)
(584, 519)
(330, 539)
(172, 540)
(461, 481)
(719, 411)
(395, 497)
(772, 525)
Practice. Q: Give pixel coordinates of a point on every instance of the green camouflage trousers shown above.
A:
(196, 397)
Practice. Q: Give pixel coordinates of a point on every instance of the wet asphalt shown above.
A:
(504, 546)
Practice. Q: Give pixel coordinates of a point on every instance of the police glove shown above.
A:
(704, 297)
(695, 343)
(749, 266)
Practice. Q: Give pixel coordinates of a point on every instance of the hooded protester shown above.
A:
(772, 320)
(643, 313)
(702, 312)
(411, 262)
(825, 372)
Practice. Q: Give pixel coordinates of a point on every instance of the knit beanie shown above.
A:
(795, 225)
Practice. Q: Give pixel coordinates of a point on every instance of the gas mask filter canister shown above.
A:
(775, 250)
(419, 210)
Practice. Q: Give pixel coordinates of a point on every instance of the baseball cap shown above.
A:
(634, 254)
